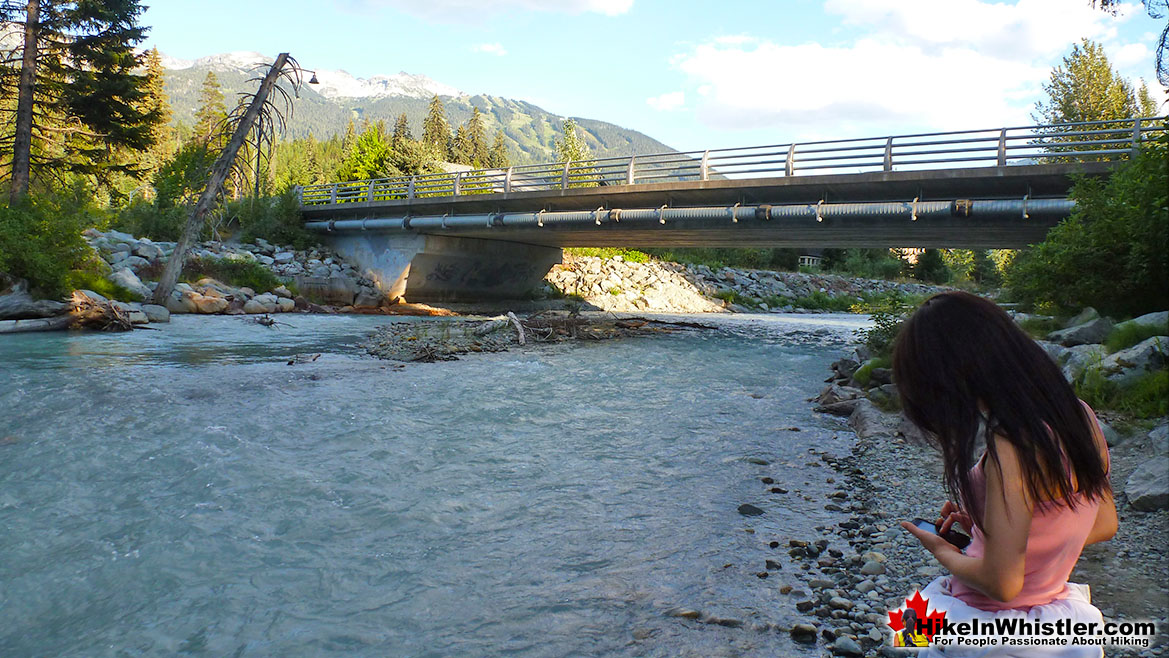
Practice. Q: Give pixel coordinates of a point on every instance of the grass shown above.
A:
(1038, 328)
(733, 297)
(89, 280)
(629, 255)
(236, 273)
(864, 373)
(1146, 397)
(1127, 336)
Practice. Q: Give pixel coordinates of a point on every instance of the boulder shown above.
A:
(285, 305)
(337, 290)
(280, 291)
(911, 431)
(1159, 439)
(841, 408)
(1093, 331)
(253, 307)
(1084, 316)
(181, 301)
(17, 304)
(1159, 319)
(148, 251)
(1126, 365)
(117, 257)
(156, 313)
(267, 300)
(836, 393)
(1058, 353)
(368, 297)
(1079, 357)
(130, 281)
(209, 305)
(283, 257)
(867, 420)
(1148, 486)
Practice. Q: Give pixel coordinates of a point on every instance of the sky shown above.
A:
(695, 74)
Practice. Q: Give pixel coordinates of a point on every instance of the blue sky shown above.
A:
(693, 74)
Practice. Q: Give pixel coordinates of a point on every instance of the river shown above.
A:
(186, 491)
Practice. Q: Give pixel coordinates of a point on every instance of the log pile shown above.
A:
(19, 313)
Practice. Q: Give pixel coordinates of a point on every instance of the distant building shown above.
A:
(811, 257)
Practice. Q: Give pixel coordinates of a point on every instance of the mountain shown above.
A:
(325, 110)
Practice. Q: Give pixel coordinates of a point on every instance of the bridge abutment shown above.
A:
(422, 268)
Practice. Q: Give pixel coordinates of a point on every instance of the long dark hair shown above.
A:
(958, 350)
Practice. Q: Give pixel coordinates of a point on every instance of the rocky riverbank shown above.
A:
(867, 565)
(615, 284)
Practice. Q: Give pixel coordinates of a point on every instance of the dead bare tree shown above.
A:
(256, 120)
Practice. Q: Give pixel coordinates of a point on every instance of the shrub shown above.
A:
(887, 314)
(237, 273)
(1127, 336)
(864, 374)
(630, 255)
(40, 240)
(148, 220)
(1145, 397)
(1039, 327)
(275, 219)
(1112, 253)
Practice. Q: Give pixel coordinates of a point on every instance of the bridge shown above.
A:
(495, 232)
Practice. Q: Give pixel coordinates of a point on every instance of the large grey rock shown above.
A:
(1093, 331)
(148, 251)
(253, 307)
(867, 420)
(1126, 365)
(836, 393)
(1057, 352)
(156, 313)
(368, 297)
(283, 257)
(1159, 439)
(338, 290)
(1148, 486)
(1079, 357)
(909, 430)
(17, 304)
(130, 281)
(1159, 319)
(1084, 316)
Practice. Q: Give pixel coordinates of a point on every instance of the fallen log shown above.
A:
(83, 313)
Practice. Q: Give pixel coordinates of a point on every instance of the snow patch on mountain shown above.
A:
(333, 84)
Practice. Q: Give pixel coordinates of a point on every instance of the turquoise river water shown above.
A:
(186, 492)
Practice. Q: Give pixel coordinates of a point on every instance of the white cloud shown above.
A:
(490, 49)
(1130, 54)
(464, 10)
(919, 65)
(667, 102)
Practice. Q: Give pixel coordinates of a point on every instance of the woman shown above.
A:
(1039, 493)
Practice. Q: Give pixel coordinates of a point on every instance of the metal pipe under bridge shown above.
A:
(995, 188)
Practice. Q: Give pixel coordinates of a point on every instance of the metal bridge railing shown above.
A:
(1088, 141)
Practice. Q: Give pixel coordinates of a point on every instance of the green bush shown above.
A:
(147, 220)
(275, 219)
(1127, 336)
(237, 273)
(819, 301)
(40, 240)
(92, 278)
(888, 314)
(733, 297)
(630, 255)
(1146, 397)
(864, 374)
(718, 257)
(1039, 327)
(1112, 253)
(865, 263)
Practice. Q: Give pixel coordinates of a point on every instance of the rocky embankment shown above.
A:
(893, 475)
(615, 284)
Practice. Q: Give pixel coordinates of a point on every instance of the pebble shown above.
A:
(805, 633)
(873, 568)
(846, 646)
(747, 509)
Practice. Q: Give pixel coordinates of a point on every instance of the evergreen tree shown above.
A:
(401, 132)
(477, 137)
(350, 136)
(461, 147)
(497, 157)
(212, 112)
(436, 131)
(1146, 106)
(1085, 88)
(156, 102)
(574, 149)
(77, 60)
(368, 157)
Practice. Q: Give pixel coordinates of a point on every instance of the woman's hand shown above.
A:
(933, 543)
(950, 515)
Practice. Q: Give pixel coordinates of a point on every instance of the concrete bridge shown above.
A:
(495, 232)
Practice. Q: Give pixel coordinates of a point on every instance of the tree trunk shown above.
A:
(22, 140)
(174, 266)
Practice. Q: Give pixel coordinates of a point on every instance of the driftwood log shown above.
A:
(82, 312)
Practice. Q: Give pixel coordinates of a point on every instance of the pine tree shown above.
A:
(211, 113)
(1085, 88)
(574, 149)
(1146, 106)
(436, 131)
(77, 60)
(156, 102)
(461, 147)
(477, 136)
(401, 133)
(350, 136)
(497, 157)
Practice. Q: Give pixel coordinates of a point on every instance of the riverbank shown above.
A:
(892, 475)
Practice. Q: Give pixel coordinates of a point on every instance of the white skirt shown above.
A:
(1077, 605)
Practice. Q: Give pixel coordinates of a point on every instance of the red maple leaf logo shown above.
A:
(931, 621)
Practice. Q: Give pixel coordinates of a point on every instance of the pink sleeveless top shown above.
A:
(1054, 544)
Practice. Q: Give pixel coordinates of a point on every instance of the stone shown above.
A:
(279, 291)
(131, 282)
(156, 313)
(839, 603)
(846, 646)
(866, 586)
(283, 257)
(881, 376)
(136, 316)
(804, 633)
(1076, 358)
(1126, 365)
(1148, 486)
(336, 290)
(150, 252)
(368, 297)
(1057, 352)
(1111, 436)
(873, 568)
(285, 305)
(1084, 316)
(910, 431)
(181, 301)
(267, 300)
(836, 393)
(253, 307)
(866, 420)
(117, 257)
(1093, 331)
(209, 305)
(17, 304)
(747, 509)
(842, 408)
(1159, 438)
(1158, 319)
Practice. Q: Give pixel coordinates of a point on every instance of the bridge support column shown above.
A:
(423, 268)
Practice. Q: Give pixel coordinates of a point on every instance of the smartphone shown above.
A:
(953, 536)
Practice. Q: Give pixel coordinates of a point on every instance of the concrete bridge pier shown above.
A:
(434, 268)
